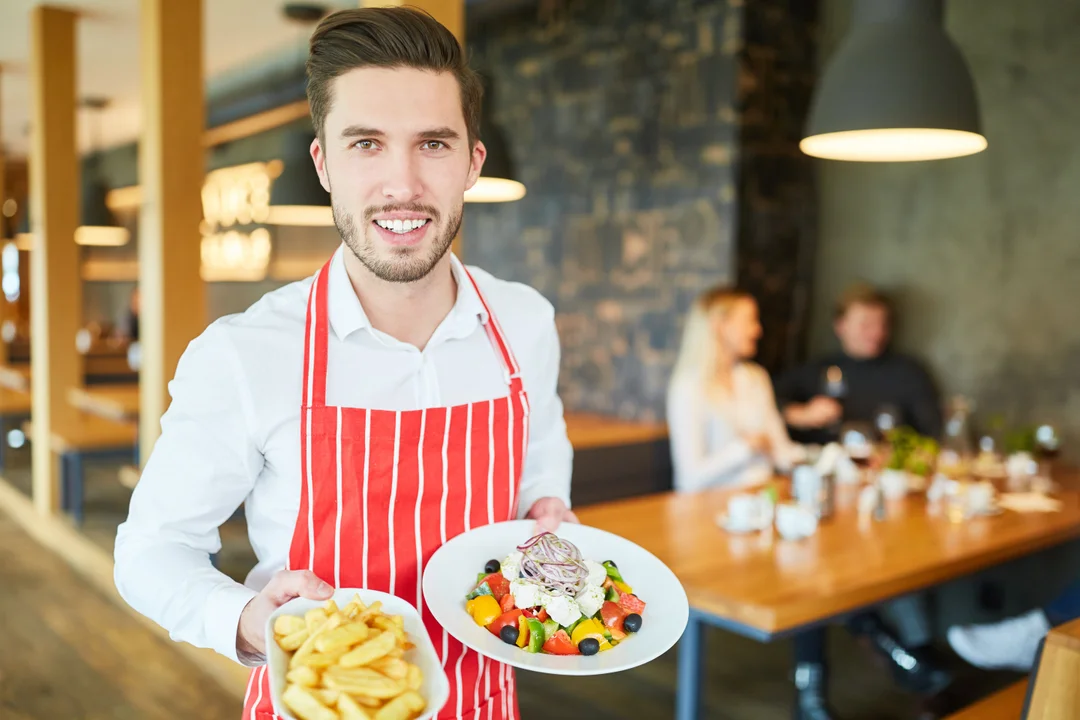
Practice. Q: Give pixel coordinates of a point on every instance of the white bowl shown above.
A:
(452, 571)
(436, 688)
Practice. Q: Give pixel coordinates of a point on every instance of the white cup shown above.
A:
(894, 484)
(794, 522)
(980, 496)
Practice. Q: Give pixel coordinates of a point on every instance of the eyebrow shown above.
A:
(439, 133)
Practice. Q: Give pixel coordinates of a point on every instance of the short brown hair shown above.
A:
(862, 294)
(387, 37)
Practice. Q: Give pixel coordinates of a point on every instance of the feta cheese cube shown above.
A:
(597, 572)
(511, 566)
(526, 594)
(563, 610)
(590, 599)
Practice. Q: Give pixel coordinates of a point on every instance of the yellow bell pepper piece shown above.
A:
(623, 586)
(484, 609)
(523, 631)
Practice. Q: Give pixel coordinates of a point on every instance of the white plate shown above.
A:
(452, 571)
(436, 688)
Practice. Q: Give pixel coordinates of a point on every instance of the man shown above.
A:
(861, 381)
(366, 415)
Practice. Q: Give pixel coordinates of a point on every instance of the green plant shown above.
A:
(911, 451)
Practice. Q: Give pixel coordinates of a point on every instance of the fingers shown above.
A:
(289, 584)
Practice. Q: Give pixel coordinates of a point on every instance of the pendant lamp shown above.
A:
(296, 196)
(497, 181)
(97, 226)
(897, 89)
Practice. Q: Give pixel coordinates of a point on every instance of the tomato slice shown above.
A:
(612, 615)
(507, 603)
(510, 617)
(559, 644)
(499, 585)
(631, 603)
(542, 616)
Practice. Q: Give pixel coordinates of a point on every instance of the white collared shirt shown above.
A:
(232, 433)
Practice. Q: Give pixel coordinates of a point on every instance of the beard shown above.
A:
(404, 264)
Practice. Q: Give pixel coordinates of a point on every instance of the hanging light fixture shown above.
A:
(897, 89)
(497, 181)
(24, 239)
(97, 225)
(296, 196)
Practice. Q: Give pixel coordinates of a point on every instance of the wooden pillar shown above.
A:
(56, 312)
(5, 306)
(171, 171)
(451, 13)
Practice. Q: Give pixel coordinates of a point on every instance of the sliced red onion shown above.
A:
(555, 563)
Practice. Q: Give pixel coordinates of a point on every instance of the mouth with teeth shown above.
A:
(402, 231)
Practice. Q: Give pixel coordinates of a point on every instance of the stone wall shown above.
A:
(620, 117)
(776, 194)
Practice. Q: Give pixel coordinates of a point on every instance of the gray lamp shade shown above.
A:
(896, 89)
(497, 181)
(296, 196)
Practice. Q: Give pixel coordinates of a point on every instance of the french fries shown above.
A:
(348, 664)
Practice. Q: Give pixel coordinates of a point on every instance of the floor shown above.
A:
(69, 652)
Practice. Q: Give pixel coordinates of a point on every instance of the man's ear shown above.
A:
(319, 158)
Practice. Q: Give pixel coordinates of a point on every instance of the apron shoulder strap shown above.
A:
(497, 337)
(316, 333)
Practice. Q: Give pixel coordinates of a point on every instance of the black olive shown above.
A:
(589, 646)
(509, 634)
(611, 563)
(492, 566)
(632, 622)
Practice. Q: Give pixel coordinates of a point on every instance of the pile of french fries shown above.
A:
(348, 664)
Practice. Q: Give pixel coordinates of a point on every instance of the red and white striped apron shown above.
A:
(382, 490)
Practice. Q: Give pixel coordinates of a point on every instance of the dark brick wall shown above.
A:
(775, 189)
(620, 117)
(624, 120)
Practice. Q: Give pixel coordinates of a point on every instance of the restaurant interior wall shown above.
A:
(621, 121)
(982, 251)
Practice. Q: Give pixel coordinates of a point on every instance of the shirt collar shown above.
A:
(347, 314)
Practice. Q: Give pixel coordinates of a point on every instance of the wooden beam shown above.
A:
(56, 312)
(171, 169)
(257, 123)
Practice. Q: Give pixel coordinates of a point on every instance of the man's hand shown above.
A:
(820, 412)
(283, 587)
(549, 513)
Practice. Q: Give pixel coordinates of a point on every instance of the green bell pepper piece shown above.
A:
(537, 635)
(612, 571)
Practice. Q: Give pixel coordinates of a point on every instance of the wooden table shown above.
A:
(115, 402)
(764, 587)
(1055, 692)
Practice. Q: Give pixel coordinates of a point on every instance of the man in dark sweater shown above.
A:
(861, 381)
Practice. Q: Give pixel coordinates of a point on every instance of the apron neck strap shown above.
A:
(317, 332)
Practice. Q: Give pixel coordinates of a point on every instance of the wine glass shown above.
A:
(886, 419)
(857, 439)
(834, 386)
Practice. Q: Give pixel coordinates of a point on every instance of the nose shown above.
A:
(402, 182)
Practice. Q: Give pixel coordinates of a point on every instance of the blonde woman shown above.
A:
(724, 424)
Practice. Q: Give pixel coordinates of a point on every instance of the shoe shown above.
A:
(912, 668)
(1010, 644)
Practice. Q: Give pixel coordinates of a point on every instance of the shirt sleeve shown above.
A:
(696, 464)
(785, 453)
(202, 467)
(550, 457)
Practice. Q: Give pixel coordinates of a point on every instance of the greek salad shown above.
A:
(545, 598)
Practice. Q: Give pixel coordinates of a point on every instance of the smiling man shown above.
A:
(368, 414)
